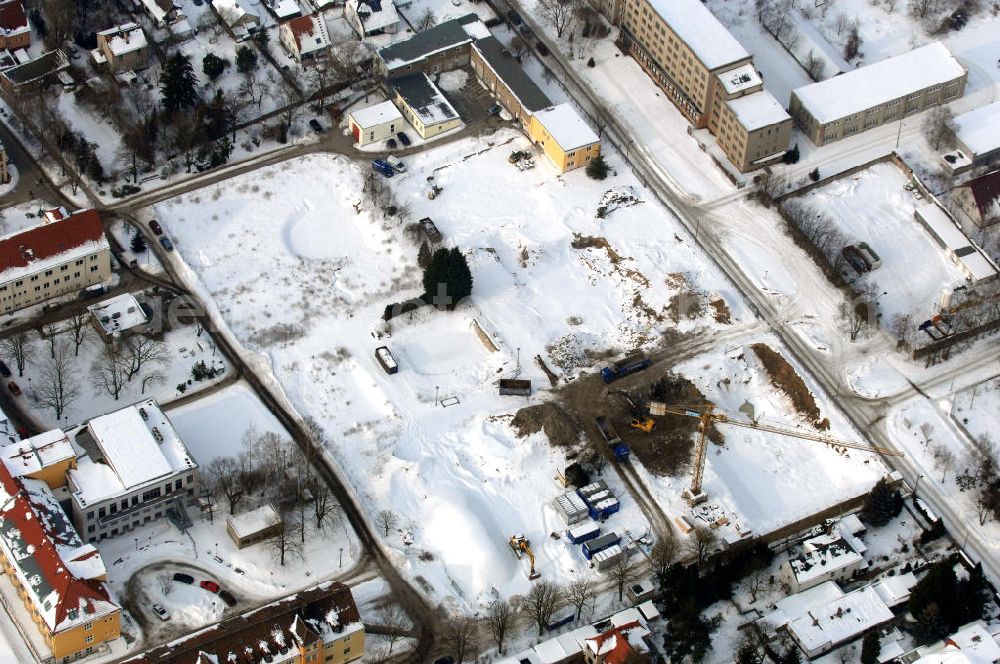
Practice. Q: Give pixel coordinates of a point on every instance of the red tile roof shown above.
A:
(302, 26)
(616, 652)
(985, 191)
(12, 16)
(52, 239)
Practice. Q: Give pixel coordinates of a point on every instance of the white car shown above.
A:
(396, 163)
(160, 612)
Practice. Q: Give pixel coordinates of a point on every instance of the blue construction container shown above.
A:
(599, 544)
(603, 509)
(583, 532)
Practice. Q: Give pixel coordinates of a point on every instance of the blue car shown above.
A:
(383, 167)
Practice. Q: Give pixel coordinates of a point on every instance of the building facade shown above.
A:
(567, 140)
(122, 48)
(441, 48)
(53, 259)
(375, 123)
(4, 167)
(424, 106)
(880, 93)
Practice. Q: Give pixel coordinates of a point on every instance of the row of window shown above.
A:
(148, 495)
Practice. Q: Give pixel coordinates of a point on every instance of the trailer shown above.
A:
(386, 360)
(608, 557)
(583, 533)
(572, 508)
(873, 259)
(591, 490)
(598, 544)
(514, 387)
(605, 508)
(622, 368)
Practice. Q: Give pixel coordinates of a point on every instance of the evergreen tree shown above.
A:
(177, 84)
(459, 277)
(434, 275)
(870, 647)
(931, 625)
(447, 276)
(597, 169)
(217, 117)
(138, 243)
(880, 504)
(424, 255)
(246, 59)
(212, 65)
(790, 656)
(971, 598)
(939, 588)
(748, 654)
(792, 156)
(814, 174)
(687, 635)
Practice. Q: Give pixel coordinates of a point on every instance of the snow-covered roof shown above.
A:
(376, 115)
(795, 606)
(976, 264)
(254, 521)
(119, 313)
(973, 644)
(286, 8)
(878, 83)
(571, 504)
(374, 14)
(692, 21)
(758, 110)
(979, 129)
(425, 99)
(32, 454)
(233, 13)
(51, 244)
(826, 554)
(13, 20)
(441, 37)
(138, 445)
(895, 590)
(739, 79)
(840, 620)
(125, 38)
(566, 127)
(309, 32)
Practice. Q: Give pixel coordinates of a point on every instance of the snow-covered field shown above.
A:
(977, 408)
(301, 276)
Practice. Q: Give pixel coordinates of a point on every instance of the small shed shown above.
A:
(386, 360)
(255, 526)
(571, 508)
(375, 123)
(515, 387)
(583, 532)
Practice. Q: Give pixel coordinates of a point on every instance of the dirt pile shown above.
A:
(561, 429)
(784, 377)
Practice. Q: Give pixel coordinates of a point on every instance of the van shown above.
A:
(396, 163)
(382, 167)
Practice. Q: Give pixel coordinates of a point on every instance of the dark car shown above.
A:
(167, 244)
(542, 48)
(390, 143)
(14, 389)
(403, 138)
(180, 577)
(227, 597)
(154, 226)
(210, 586)
(316, 126)
(383, 167)
(494, 110)
(4, 369)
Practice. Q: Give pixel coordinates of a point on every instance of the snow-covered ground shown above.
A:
(146, 260)
(977, 408)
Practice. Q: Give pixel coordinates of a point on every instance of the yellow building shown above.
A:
(567, 140)
(60, 580)
(46, 457)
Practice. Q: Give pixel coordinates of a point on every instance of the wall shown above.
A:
(22, 292)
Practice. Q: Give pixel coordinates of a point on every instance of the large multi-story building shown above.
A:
(60, 580)
(135, 469)
(14, 29)
(706, 73)
(320, 625)
(63, 255)
(884, 92)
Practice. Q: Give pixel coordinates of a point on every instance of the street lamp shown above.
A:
(136, 543)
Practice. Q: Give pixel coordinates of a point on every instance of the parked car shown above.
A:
(404, 139)
(210, 586)
(227, 597)
(396, 163)
(383, 167)
(514, 17)
(14, 389)
(160, 612)
(181, 577)
(390, 143)
(154, 226)
(543, 50)
(4, 369)
(494, 110)
(167, 244)
(316, 126)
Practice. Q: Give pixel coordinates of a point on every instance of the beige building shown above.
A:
(707, 74)
(121, 48)
(375, 123)
(4, 168)
(254, 526)
(497, 69)
(52, 259)
(564, 136)
(423, 105)
(884, 92)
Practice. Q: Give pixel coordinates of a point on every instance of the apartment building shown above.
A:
(320, 625)
(567, 140)
(441, 48)
(135, 469)
(64, 255)
(884, 92)
(46, 567)
(707, 74)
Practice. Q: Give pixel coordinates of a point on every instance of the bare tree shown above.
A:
(500, 616)
(920, 8)
(581, 593)
(324, 503)
(901, 327)
(427, 20)
(108, 372)
(386, 520)
(80, 331)
(517, 47)
(542, 602)
(17, 348)
(153, 377)
(252, 89)
(58, 386)
(395, 623)
(754, 582)
(60, 22)
(665, 553)
(702, 543)
(166, 582)
(459, 634)
(814, 65)
(225, 473)
(377, 655)
(939, 126)
(284, 545)
(559, 15)
(140, 350)
(840, 23)
(944, 459)
(48, 333)
(623, 572)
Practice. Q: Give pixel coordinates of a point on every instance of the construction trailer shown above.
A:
(386, 360)
(583, 533)
(572, 508)
(599, 544)
(608, 557)
(594, 488)
(604, 508)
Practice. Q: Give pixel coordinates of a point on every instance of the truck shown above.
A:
(618, 448)
(601, 543)
(622, 368)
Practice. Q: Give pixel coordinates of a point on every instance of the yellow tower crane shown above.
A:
(707, 415)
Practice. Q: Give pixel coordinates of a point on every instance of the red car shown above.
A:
(210, 586)
(14, 389)
(154, 225)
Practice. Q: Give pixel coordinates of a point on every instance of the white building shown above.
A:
(117, 315)
(134, 469)
(975, 643)
(306, 38)
(375, 123)
(978, 133)
(833, 556)
(371, 17)
(963, 252)
(235, 17)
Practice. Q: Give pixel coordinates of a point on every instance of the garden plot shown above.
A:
(301, 275)
(872, 206)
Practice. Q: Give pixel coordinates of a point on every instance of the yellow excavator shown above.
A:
(639, 420)
(520, 546)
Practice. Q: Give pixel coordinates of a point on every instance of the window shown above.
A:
(93, 268)
(114, 508)
(93, 258)
(90, 529)
(48, 273)
(90, 514)
(79, 262)
(101, 512)
(34, 277)
(125, 504)
(88, 626)
(177, 484)
(135, 500)
(76, 275)
(89, 639)
(64, 268)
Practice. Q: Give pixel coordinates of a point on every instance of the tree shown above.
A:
(80, 330)
(879, 504)
(49, 333)
(138, 243)
(542, 602)
(324, 503)
(17, 348)
(108, 372)
(792, 156)
(386, 520)
(459, 634)
(664, 554)
(702, 543)
(754, 582)
(138, 350)
(581, 593)
(252, 89)
(424, 255)
(394, 622)
(931, 625)
(944, 459)
(814, 174)
(971, 598)
(427, 20)
(58, 386)
(153, 377)
(447, 280)
(166, 582)
(870, 647)
(814, 65)
(853, 45)
(748, 653)
(212, 65)
(246, 59)
(559, 15)
(178, 84)
(224, 472)
(597, 169)
(500, 616)
(377, 656)
(687, 635)
(939, 126)
(284, 545)
(622, 573)
(60, 22)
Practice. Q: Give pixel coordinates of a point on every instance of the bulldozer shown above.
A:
(521, 546)
(640, 420)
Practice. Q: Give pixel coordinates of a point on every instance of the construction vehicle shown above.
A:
(707, 415)
(618, 448)
(639, 420)
(622, 368)
(521, 546)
